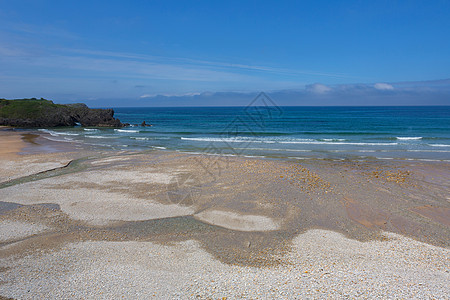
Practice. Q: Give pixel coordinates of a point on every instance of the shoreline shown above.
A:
(396, 143)
(52, 145)
(233, 212)
(317, 170)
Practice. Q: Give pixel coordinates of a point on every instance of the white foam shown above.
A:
(43, 130)
(409, 138)
(273, 149)
(126, 130)
(140, 138)
(426, 159)
(225, 140)
(294, 141)
(340, 143)
(55, 133)
(101, 137)
(434, 151)
(67, 140)
(52, 133)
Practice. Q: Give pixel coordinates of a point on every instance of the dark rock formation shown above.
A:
(143, 124)
(93, 117)
(44, 113)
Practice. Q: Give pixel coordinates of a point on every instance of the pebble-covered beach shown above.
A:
(161, 224)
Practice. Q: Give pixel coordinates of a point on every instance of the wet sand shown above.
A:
(347, 228)
(11, 143)
(23, 154)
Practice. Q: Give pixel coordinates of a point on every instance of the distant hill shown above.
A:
(30, 113)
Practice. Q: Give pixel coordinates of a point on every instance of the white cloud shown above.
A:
(170, 95)
(318, 88)
(147, 96)
(204, 63)
(383, 86)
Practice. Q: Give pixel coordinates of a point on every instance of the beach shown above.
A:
(82, 223)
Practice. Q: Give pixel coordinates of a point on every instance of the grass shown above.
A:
(26, 108)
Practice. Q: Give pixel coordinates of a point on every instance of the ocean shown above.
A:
(336, 133)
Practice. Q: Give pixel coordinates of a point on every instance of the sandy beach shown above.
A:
(76, 223)
(11, 143)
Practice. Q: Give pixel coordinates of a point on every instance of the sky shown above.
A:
(172, 53)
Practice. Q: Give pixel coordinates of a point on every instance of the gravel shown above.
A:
(322, 264)
(236, 221)
(13, 230)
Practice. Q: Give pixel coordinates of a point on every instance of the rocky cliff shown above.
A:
(44, 113)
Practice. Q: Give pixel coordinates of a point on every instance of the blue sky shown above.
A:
(129, 52)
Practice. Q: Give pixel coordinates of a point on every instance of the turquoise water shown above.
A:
(415, 133)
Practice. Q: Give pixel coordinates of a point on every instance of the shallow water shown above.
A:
(414, 133)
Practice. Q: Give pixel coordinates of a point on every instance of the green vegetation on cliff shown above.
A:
(25, 108)
(44, 113)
